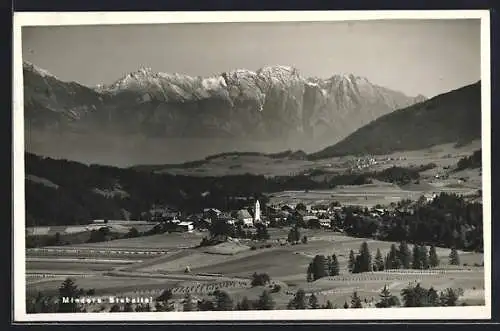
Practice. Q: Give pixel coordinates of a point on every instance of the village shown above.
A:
(318, 216)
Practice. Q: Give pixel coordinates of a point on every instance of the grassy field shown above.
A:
(106, 285)
(235, 263)
(160, 241)
(366, 195)
(442, 155)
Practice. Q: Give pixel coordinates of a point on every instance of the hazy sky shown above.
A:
(415, 57)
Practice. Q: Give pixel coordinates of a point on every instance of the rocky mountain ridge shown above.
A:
(274, 103)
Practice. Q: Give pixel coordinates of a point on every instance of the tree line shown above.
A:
(73, 198)
(470, 162)
(414, 295)
(397, 258)
(446, 221)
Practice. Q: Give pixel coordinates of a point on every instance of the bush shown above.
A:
(260, 279)
(253, 248)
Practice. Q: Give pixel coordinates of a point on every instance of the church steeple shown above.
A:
(257, 212)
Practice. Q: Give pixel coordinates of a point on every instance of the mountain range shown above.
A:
(452, 117)
(177, 117)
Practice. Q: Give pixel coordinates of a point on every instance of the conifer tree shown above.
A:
(454, 258)
(115, 309)
(265, 302)
(365, 258)
(385, 298)
(298, 301)
(404, 255)
(223, 301)
(329, 305)
(68, 289)
(433, 297)
(424, 259)
(379, 261)
(334, 266)
(356, 301)
(433, 258)
(352, 261)
(128, 307)
(313, 302)
(188, 303)
(319, 267)
(244, 304)
(310, 272)
(392, 260)
(416, 260)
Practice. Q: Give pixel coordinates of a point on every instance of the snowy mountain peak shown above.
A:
(33, 68)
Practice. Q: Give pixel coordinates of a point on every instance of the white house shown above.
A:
(245, 218)
(325, 223)
(186, 226)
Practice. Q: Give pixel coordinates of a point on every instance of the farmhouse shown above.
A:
(288, 208)
(430, 196)
(226, 218)
(319, 209)
(244, 218)
(160, 213)
(211, 213)
(325, 223)
(185, 226)
(310, 220)
(99, 221)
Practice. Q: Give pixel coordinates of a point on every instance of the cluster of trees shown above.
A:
(417, 296)
(446, 221)
(260, 279)
(219, 301)
(300, 301)
(418, 258)
(322, 266)
(470, 162)
(398, 258)
(398, 175)
(413, 295)
(42, 303)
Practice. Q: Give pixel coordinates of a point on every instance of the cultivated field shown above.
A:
(231, 269)
(148, 265)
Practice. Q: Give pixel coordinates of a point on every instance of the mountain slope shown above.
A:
(52, 104)
(274, 104)
(453, 117)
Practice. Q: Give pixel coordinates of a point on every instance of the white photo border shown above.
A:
(146, 18)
